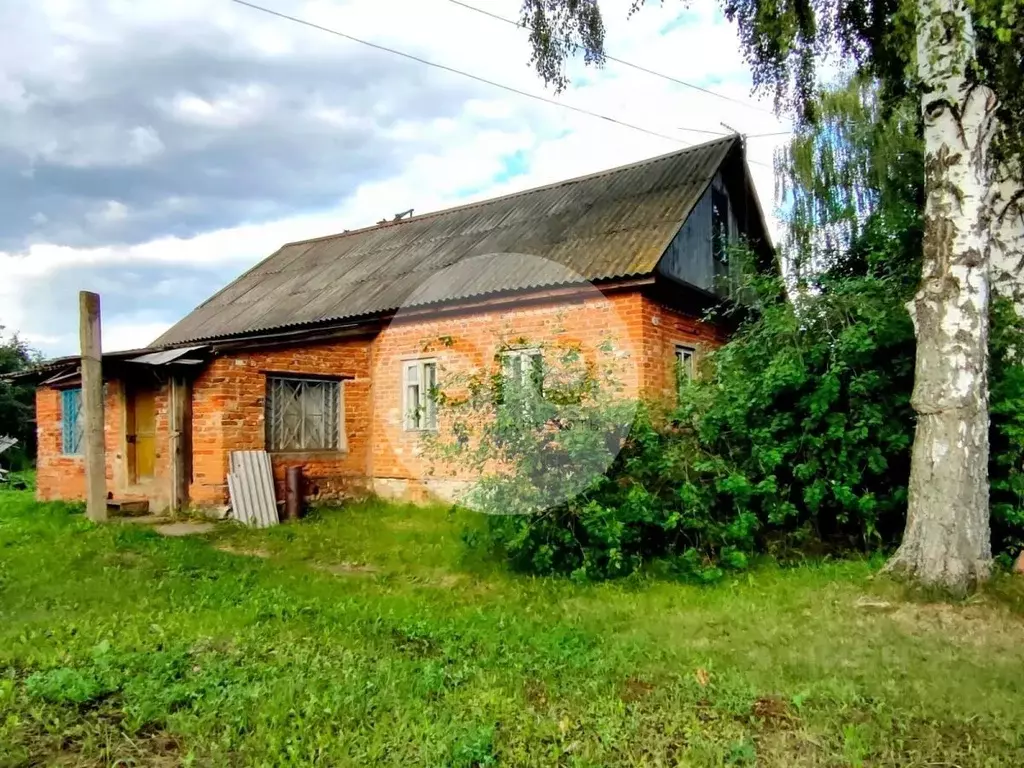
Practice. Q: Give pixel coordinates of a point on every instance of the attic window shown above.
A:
(720, 226)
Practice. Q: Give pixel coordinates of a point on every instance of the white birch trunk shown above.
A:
(947, 542)
(1008, 235)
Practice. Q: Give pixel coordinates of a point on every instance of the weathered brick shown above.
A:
(228, 396)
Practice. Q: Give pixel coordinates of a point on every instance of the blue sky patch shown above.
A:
(515, 164)
(683, 19)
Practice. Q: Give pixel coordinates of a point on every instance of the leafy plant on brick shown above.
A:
(540, 429)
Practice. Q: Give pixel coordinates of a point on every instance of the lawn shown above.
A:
(370, 635)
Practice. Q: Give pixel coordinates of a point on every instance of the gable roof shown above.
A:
(612, 224)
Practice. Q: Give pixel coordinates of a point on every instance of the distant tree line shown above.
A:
(17, 401)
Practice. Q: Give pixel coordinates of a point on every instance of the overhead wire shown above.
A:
(478, 78)
(624, 62)
(486, 81)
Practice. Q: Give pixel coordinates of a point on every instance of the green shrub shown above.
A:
(795, 439)
(804, 421)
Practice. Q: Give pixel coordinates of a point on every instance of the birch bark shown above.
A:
(947, 541)
(1008, 235)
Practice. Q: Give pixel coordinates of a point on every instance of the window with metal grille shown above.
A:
(684, 365)
(419, 384)
(71, 422)
(304, 414)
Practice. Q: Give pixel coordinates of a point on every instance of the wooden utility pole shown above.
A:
(180, 418)
(92, 406)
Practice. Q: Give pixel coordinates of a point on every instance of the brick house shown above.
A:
(324, 353)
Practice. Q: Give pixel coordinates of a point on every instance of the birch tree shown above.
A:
(1007, 259)
(927, 47)
(947, 541)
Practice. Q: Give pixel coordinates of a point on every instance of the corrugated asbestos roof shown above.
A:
(607, 225)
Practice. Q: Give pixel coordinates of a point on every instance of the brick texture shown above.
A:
(228, 398)
(63, 477)
(228, 414)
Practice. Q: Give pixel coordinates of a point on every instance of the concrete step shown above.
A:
(127, 507)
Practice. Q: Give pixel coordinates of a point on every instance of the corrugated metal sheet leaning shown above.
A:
(251, 485)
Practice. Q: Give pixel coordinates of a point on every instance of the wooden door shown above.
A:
(140, 437)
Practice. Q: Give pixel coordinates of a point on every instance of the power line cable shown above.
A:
(638, 67)
(478, 78)
(484, 80)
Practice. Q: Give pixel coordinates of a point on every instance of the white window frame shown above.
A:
(420, 416)
(525, 356)
(684, 361)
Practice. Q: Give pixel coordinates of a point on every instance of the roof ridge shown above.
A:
(512, 195)
(647, 204)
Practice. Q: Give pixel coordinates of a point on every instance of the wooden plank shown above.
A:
(180, 417)
(92, 406)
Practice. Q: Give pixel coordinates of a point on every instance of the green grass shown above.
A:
(369, 635)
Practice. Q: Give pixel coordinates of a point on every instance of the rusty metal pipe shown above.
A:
(293, 493)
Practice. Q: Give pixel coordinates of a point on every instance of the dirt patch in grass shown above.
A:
(347, 569)
(535, 693)
(123, 559)
(635, 689)
(971, 624)
(159, 751)
(790, 749)
(773, 710)
(244, 551)
(414, 646)
(99, 739)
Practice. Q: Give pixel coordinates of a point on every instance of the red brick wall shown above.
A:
(63, 477)
(228, 399)
(228, 414)
(57, 476)
(664, 328)
(470, 341)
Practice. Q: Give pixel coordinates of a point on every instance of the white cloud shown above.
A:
(445, 159)
(111, 212)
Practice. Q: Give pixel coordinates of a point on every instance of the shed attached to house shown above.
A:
(321, 353)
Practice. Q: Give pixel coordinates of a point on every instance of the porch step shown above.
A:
(127, 507)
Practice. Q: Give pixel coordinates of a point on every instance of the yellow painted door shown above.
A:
(141, 424)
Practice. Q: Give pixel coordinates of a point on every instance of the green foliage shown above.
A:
(850, 187)
(539, 430)
(796, 439)
(17, 402)
(804, 420)
(64, 686)
(1006, 434)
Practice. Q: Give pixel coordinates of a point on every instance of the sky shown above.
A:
(152, 152)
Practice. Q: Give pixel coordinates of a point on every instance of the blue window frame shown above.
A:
(71, 422)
